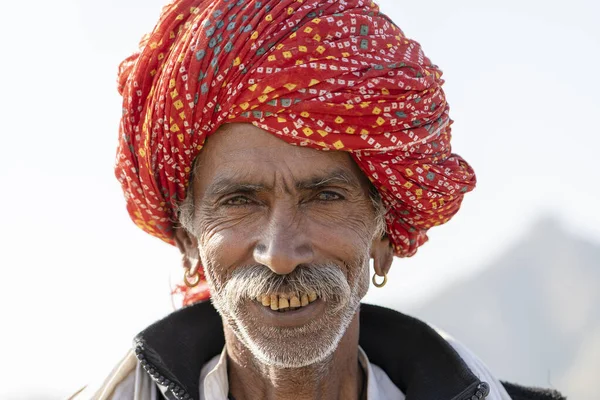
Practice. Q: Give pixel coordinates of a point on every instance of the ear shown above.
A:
(382, 254)
(188, 246)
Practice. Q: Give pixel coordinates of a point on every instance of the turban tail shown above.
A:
(325, 74)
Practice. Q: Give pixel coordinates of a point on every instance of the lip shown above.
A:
(289, 319)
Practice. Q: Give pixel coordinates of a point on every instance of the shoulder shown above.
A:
(499, 389)
(119, 384)
(478, 367)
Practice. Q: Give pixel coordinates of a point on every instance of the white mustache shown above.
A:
(327, 280)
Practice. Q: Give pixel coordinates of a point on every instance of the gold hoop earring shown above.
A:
(186, 278)
(382, 284)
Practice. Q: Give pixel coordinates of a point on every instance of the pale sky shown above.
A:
(80, 280)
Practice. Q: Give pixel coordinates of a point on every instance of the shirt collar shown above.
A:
(214, 383)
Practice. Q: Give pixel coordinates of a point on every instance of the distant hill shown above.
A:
(533, 315)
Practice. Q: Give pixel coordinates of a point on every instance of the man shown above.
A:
(281, 145)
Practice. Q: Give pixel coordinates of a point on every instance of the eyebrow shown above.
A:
(226, 184)
(335, 177)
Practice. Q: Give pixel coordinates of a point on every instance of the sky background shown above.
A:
(79, 280)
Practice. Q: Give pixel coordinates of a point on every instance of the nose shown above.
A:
(284, 245)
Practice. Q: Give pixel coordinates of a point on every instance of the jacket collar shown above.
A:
(418, 360)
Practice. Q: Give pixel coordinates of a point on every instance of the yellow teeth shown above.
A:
(294, 302)
(266, 301)
(304, 300)
(285, 302)
(274, 302)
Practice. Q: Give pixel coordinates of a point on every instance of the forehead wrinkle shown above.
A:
(227, 180)
(227, 183)
(269, 153)
(336, 176)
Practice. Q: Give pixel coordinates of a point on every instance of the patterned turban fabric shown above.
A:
(326, 74)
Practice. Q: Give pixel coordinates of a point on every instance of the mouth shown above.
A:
(286, 303)
(288, 310)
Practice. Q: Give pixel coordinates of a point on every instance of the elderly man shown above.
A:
(281, 145)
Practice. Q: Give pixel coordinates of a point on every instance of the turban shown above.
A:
(325, 74)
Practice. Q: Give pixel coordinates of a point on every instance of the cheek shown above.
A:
(349, 229)
(347, 240)
(224, 242)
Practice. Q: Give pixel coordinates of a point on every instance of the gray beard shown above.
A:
(296, 347)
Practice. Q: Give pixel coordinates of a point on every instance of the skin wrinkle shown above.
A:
(206, 226)
(187, 210)
(225, 184)
(281, 237)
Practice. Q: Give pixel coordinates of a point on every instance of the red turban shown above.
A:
(326, 74)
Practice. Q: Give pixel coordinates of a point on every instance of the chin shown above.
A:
(294, 347)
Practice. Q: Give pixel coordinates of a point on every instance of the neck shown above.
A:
(338, 377)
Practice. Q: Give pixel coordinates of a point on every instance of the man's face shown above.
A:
(278, 226)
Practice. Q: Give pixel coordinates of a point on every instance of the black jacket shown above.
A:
(417, 360)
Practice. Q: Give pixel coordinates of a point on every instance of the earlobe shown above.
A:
(188, 246)
(382, 254)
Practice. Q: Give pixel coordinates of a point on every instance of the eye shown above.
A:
(328, 196)
(238, 201)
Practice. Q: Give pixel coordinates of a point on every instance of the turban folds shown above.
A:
(325, 74)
